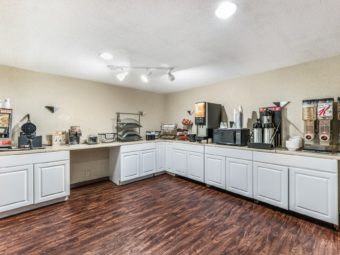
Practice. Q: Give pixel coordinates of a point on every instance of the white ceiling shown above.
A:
(65, 37)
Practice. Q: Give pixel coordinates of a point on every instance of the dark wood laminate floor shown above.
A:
(161, 215)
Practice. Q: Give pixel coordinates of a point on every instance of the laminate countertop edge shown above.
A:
(335, 156)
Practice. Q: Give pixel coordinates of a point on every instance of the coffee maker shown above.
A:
(6, 128)
(267, 131)
(320, 124)
(207, 118)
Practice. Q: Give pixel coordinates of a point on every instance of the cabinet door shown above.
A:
(147, 162)
(179, 162)
(51, 180)
(239, 177)
(271, 184)
(168, 157)
(196, 166)
(129, 166)
(160, 157)
(214, 171)
(314, 194)
(16, 187)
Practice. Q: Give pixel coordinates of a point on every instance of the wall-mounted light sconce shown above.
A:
(51, 108)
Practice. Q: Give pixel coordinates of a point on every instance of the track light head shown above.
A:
(145, 77)
(171, 76)
(122, 75)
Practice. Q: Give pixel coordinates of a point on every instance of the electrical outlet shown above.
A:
(87, 173)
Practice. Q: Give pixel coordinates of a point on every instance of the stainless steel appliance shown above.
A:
(168, 131)
(107, 137)
(92, 139)
(207, 118)
(267, 131)
(320, 124)
(6, 128)
(150, 135)
(257, 132)
(239, 137)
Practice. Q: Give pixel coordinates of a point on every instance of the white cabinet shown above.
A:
(271, 184)
(314, 193)
(215, 170)
(160, 157)
(27, 180)
(51, 180)
(132, 161)
(239, 176)
(179, 162)
(196, 166)
(16, 187)
(168, 157)
(129, 166)
(147, 162)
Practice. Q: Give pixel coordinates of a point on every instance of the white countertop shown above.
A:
(325, 155)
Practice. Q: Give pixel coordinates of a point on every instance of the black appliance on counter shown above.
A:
(237, 137)
(207, 118)
(28, 137)
(267, 131)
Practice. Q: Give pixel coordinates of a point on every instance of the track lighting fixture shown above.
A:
(171, 76)
(122, 74)
(123, 71)
(145, 77)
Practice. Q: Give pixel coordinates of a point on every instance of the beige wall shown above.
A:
(91, 105)
(310, 80)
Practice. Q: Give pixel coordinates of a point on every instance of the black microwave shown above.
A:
(238, 137)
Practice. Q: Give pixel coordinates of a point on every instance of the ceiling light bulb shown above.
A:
(106, 55)
(122, 75)
(144, 78)
(225, 10)
(171, 76)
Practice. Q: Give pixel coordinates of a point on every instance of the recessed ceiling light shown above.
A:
(225, 10)
(106, 55)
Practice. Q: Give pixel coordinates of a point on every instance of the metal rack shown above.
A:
(118, 120)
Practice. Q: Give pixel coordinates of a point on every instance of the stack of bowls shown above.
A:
(294, 143)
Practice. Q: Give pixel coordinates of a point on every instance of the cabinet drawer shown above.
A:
(34, 158)
(138, 147)
(324, 165)
(229, 152)
(188, 147)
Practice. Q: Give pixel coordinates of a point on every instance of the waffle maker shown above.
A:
(28, 138)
